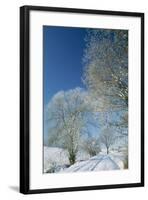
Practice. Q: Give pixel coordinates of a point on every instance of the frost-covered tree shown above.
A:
(107, 138)
(106, 75)
(106, 68)
(91, 145)
(66, 114)
(122, 125)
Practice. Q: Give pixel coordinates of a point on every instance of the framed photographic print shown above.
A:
(81, 99)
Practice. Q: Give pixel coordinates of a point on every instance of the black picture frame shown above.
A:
(25, 94)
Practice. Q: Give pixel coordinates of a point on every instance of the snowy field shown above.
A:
(54, 158)
(56, 161)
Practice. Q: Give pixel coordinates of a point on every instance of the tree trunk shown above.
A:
(72, 158)
(107, 150)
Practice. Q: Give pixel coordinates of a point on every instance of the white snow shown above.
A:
(56, 160)
(118, 158)
(53, 157)
(96, 163)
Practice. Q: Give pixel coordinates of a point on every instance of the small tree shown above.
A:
(91, 146)
(107, 138)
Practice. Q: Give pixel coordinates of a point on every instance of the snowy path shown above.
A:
(96, 163)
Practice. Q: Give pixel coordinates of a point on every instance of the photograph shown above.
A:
(82, 99)
(85, 99)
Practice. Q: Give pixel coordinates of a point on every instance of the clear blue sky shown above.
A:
(62, 58)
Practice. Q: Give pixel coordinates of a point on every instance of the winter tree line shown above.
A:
(102, 104)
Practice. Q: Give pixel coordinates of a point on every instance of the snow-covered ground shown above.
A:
(56, 160)
(96, 163)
